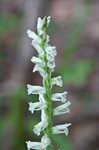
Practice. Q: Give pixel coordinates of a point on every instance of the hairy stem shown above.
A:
(47, 97)
(48, 109)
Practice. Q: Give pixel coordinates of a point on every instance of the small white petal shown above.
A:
(50, 54)
(41, 125)
(44, 117)
(33, 36)
(57, 81)
(39, 67)
(51, 65)
(41, 98)
(39, 23)
(36, 106)
(59, 97)
(50, 57)
(46, 141)
(38, 128)
(48, 20)
(62, 109)
(38, 47)
(34, 145)
(47, 38)
(51, 50)
(36, 60)
(39, 64)
(30, 34)
(61, 129)
(35, 89)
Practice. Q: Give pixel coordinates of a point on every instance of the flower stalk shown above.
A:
(45, 64)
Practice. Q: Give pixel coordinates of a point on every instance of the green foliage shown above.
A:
(77, 73)
(30, 123)
(31, 98)
(88, 2)
(2, 57)
(62, 142)
(4, 124)
(9, 22)
(53, 27)
(73, 39)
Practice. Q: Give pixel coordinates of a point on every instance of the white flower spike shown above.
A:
(45, 64)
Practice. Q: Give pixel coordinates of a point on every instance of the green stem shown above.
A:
(47, 97)
(48, 109)
(47, 86)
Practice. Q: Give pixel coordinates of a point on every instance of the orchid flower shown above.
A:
(45, 64)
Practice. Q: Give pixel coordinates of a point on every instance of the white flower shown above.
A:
(47, 39)
(39, 63)
(37, 46)
(36, 106)
(57, 81)
(44, 116)
(40, 25)
(62, 109)
(49, 57)
(48, 20)
(51, 52)
(36, 60)
(41, 98)
(51, 65)
(45, 141)
(34, 145)
(39, 67)
(38, 128)
(34, 36)
(61, 129)
(59, 97)
(35, 89)
(42, 124)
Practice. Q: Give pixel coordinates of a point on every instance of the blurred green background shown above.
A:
(75, 32)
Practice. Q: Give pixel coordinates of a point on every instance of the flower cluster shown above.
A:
(45, 64)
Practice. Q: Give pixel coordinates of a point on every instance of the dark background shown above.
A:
(75, 32)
